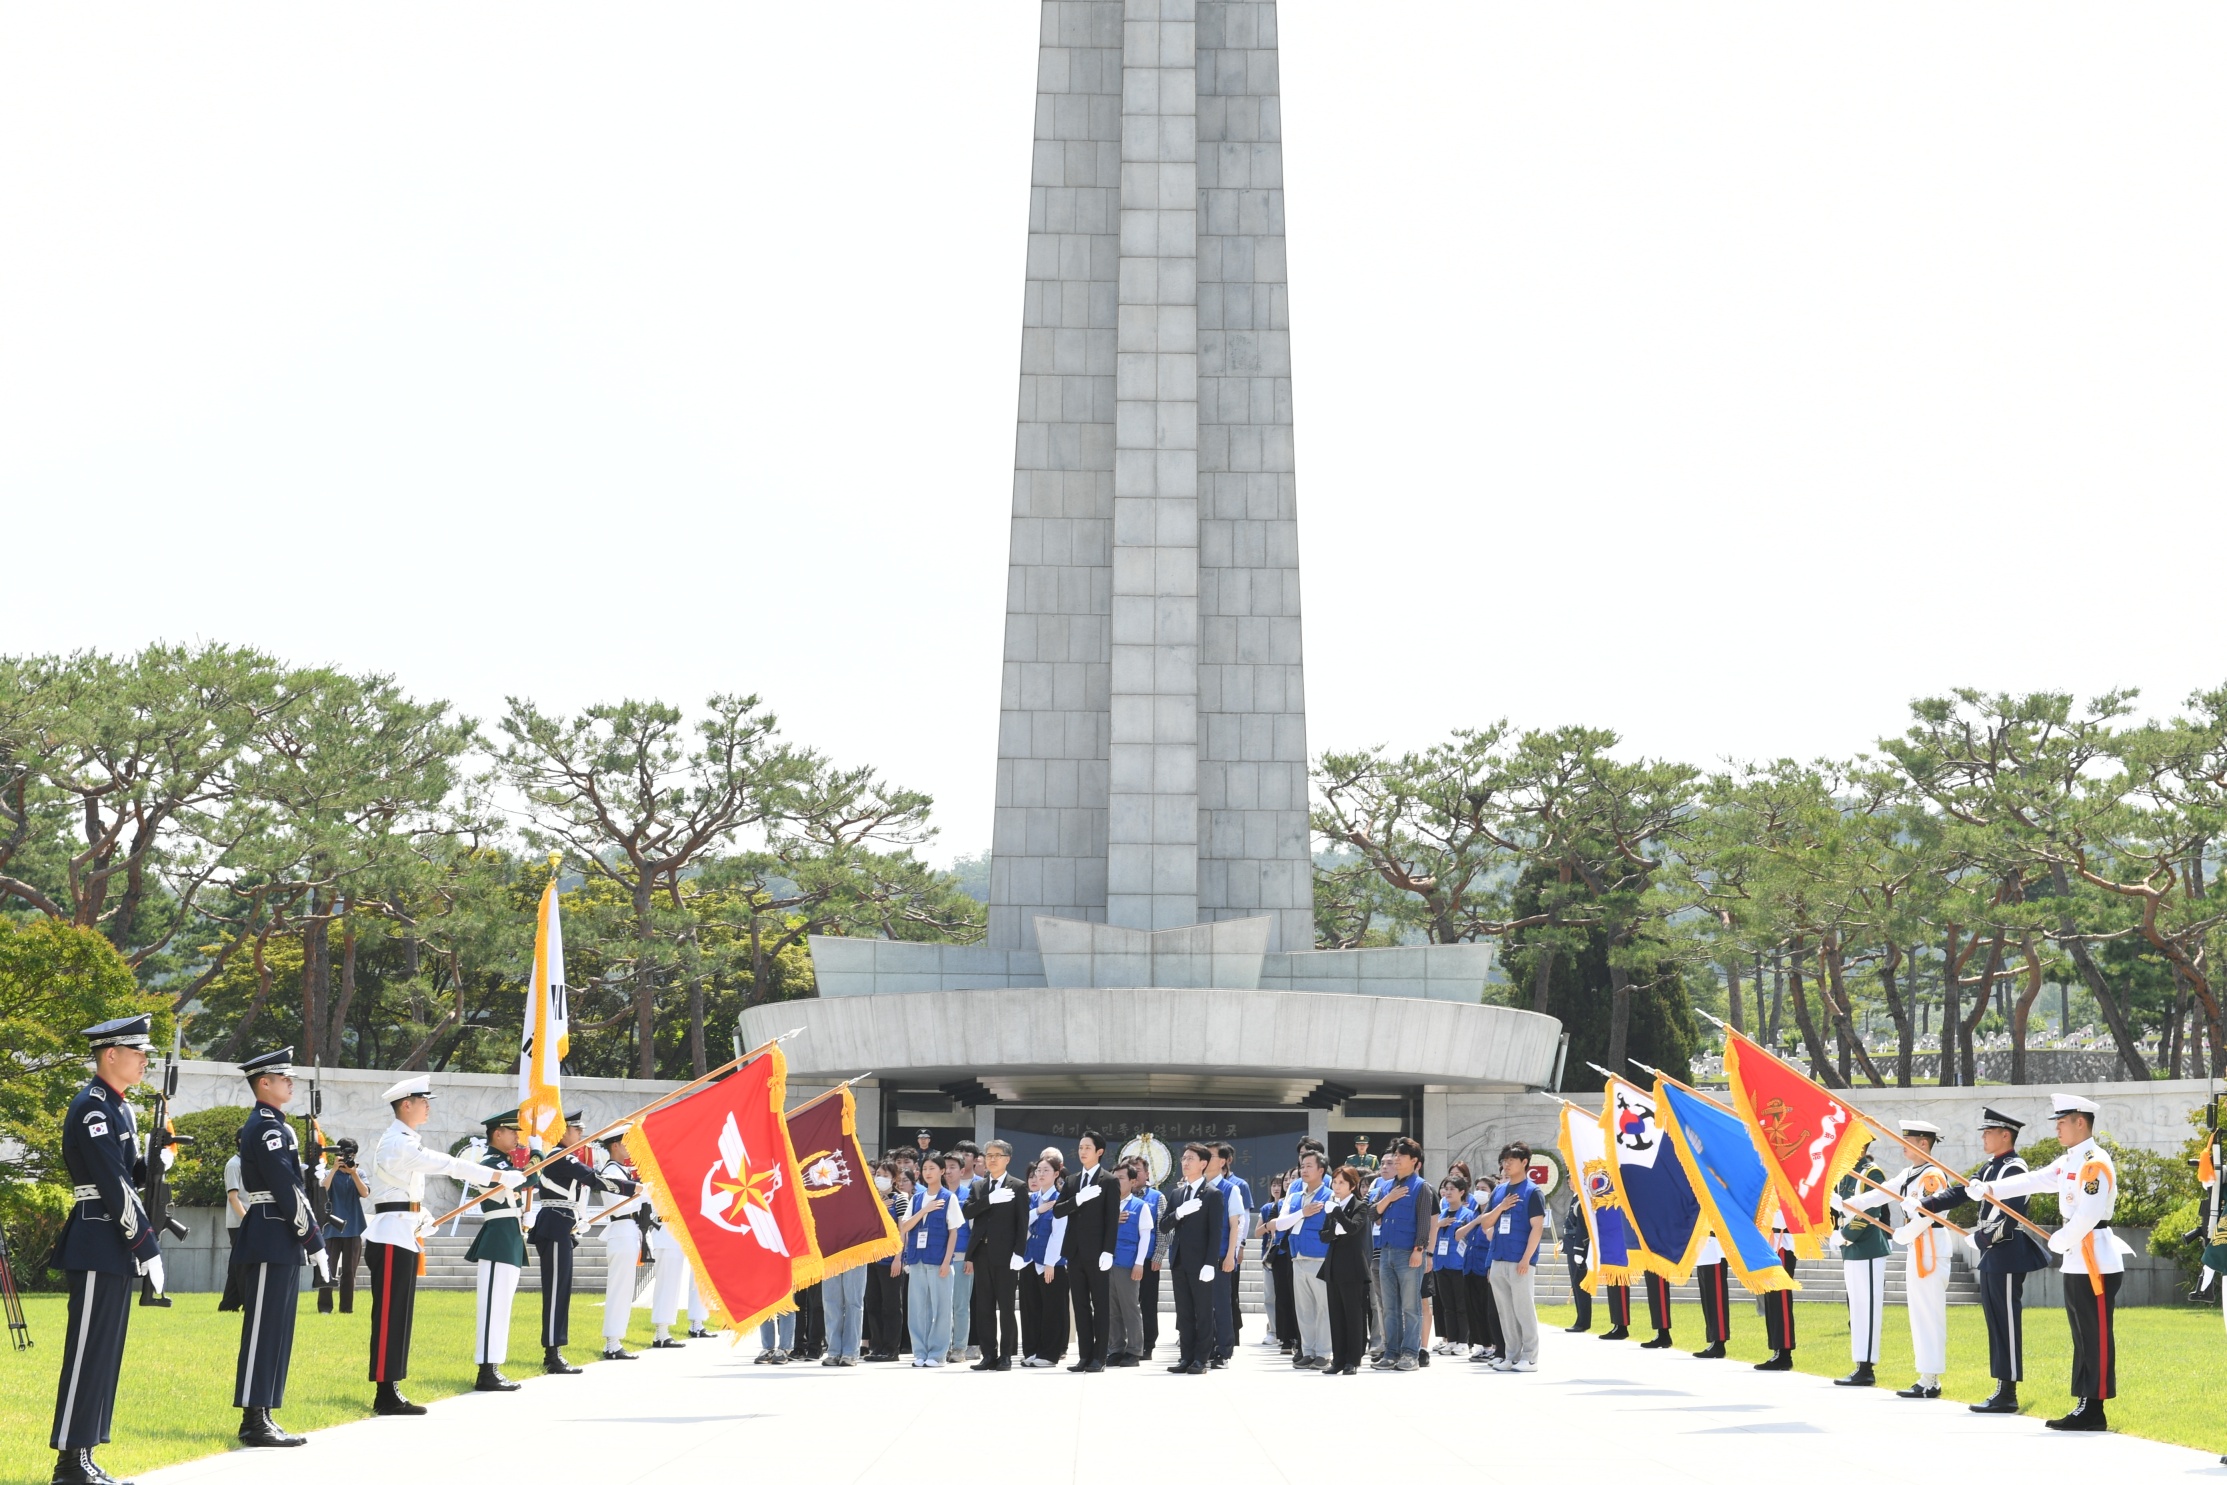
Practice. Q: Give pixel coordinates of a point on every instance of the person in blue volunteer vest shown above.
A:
(1449, 1287)
(1199, 1213)
(1229, 1323)
(1148, 1288)
(280, 1228)
(1519, 1222)
(930, 1234)
(1403, 1237)
(1476, 1267)
(1300, 1218)
(1044, 1278)
(1125, 1280)
(958, 1178)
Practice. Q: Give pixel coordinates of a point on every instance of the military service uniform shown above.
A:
(561, 1190)
(1927, 1247)
(497, 1255)
(1863, 1249)
(2085, 1182)
(624, 1223)
(106, 1242)
(2008, 1253)
(278, 1230)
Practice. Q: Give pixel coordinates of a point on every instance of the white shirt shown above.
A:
(232, 1218)
(2085, 1182)
(398, 1172)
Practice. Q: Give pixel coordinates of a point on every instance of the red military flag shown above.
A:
(1809, 1138)
(726, 1183)
(848, 1218)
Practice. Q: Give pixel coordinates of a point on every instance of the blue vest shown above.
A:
(1398, 1226)
(924, 1244)
(966, 1228)
(1158, 1201)
(1478, 1260)
(1040, 1232)
(1125, 1235)
(1306, 1238)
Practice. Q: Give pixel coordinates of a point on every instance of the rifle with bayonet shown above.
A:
(160, 1136)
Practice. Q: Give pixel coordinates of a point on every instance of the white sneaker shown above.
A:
(932, 1361)
(1503, 1366)
(1525, 1366)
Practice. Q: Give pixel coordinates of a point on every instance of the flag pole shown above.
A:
(823, 1097)
(1857, 1212)
(1925, 1155)
(656, 1103)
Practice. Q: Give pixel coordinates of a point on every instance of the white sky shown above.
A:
(1727, 374)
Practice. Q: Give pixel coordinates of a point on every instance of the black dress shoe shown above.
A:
(553, 1362)
(1194, 1369)
(667, 1344)
(698, 1333)
(257, 1431)
(1781, 1361)
(1919, 1390)
(620, 1354)
(1218, 1363)
(390, 1403)
(1181, 1366)
(1714, 1351)
(1860, 1377)
(2005, 1400)
(1661, 1342)
(1005, 1364)
(1575, 1329)
(1616, 1333)
(2086, 1417)
(984, 1365)
(76, 1467)
(491, 1380)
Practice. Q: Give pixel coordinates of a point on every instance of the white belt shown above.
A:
(494, 1214)
(548, 1204)
(254, 1198)
(86, 1193)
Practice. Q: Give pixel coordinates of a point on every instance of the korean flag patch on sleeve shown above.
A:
(274, 1141)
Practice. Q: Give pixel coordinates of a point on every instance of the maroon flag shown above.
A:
(848, 1218)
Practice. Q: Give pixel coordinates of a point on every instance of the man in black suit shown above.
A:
(997, 1231)
(1200, 1216)
(1090, 1200)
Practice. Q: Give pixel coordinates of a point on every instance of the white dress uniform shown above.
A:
(673, 1277)
(622, 1253)
(1926, 1249)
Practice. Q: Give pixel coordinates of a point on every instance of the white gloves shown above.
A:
(1978, 1190)
(152, 1268)
(1836, 1203)
(169, 1156)
(1105, 1262)
(322, 1262)
(510, 1179)
(1019, 1263)
(1206, 1273)
(1835, 1242)
(1913, 1208)
(1087, 1194)
(2063, 1241)
(1189, 1208)
(1001, 1195)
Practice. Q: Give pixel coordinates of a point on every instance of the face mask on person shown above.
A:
(883, 1183)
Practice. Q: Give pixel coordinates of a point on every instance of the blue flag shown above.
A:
(1651, 1186)
(1729, 1177)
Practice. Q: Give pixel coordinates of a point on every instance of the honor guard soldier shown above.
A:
(2008, 1253)
(1778, 1305)
(391, 1241)
(497, 1255)
(1863, 1245)
(1927, 1247)
(2086, 1185)
(623, 1223)
(279, 1228)
(106, 1242)
(561, 1189)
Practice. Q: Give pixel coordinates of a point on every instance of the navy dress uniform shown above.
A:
(560, 1206)
(279, 1229)
(2085, 1181)
(106, 1243)
(2008, 1253)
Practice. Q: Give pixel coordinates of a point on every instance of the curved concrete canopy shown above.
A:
(1247, 1034)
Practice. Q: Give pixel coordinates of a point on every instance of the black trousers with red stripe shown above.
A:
(2095, 1350)
(1714, 1280)
(394, 1302)
(1658, 1301)
(1619, 1300)
(1778, 1311)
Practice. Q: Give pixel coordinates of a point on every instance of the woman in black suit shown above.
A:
(1345, 1271)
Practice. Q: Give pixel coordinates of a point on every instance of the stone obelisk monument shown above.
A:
(1152, 742)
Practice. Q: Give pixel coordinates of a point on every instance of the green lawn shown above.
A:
(2169, 1360)
(176, 1402)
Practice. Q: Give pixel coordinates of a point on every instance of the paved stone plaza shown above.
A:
(706, 1413)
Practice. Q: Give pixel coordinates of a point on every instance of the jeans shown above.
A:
(929, 1297)
(844, 1300)
(777, 1333)
(1402, 1288)
(962, 1306)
